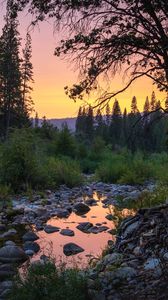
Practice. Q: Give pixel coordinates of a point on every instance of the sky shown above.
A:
(52, 74)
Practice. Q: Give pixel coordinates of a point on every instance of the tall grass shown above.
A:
(46, 282)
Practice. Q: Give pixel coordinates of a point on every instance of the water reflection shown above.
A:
(93, 244)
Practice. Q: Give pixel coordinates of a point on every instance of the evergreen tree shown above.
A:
(108, 115)
(99, 123)
(166, 103)
(36, 121)
(79, 122)
(116, 124)
(89, 124)
(153, 101)
(134, 108)
(27, 76)
(13, 112)
(146, 106)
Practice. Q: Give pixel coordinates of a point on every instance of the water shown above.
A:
(93, 244)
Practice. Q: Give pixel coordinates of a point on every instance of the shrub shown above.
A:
(63, 171)
(46, 282)
(19, 165)
(111, 168)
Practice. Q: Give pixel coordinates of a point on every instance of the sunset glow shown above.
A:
(51, 75)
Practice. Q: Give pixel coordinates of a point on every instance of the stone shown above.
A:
(84, 226)
(67, 232)
(51, 229)
(29, 252)
(151, 264)
(81, 208)
(72, 249)
(10, 232)
(33, 246)
(30, 236)
(6, 271)
(62, 213)
(10, 243)
(12, 254)
(109, 217)
(130, 228)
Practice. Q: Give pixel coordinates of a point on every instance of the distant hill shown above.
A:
(59, 123)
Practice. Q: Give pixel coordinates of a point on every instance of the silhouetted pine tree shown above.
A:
(116, 124)
(153, 101)
(99, 123)
(13, 111)
(27, 76)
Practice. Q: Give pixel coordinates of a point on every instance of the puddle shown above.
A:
(93, 244)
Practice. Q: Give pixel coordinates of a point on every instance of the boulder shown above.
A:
(30, 236)
(72, 249)
(84, 226)
(67, 232)
(12, 254)
(81, 208)
(51, 229)
(33, 246)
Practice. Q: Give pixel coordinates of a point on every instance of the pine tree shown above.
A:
(13, 114)
(146, 106)
(36, 121)
(108, 115)
(78, 124)
(116, 124)
(99, 123)
(153, 101)
(134, 108)
(27, 76)
(166, 103)
(89, 124)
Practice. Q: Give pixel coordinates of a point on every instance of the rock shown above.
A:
(33, 246)
(130, 228)
(97, 229)
(30, 236)
(109, 217)
(12, 254)
(29, 252)
(51, 229)
(67, 232)
(84, 226)
(10, 243)
(6, 271)
(151, 264)
(72, 249)
(10, 232)
(81, 208)
(91, 202)
(2, 227)
(62, 213)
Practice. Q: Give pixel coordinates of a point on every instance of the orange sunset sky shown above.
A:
(51, 75)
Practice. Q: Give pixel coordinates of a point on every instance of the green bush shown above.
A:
(125, 167)
(46, 282)
(19, 164)
(63, 171)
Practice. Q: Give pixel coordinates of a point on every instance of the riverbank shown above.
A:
(126, 260)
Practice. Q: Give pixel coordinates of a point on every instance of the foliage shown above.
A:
(48, 282)
(126, 168)
(150, 199)
(63, 171)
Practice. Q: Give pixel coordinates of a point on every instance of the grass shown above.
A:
(47, 282)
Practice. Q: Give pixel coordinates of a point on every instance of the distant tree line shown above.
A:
(145, 130)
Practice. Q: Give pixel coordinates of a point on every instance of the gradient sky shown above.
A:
(51, 75)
